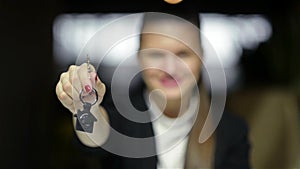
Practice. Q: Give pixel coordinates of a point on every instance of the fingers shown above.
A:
(64, 98)
(100, 87)
(85, 77)
(75, 80)
(93, 78)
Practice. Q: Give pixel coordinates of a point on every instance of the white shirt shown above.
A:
(171, 134)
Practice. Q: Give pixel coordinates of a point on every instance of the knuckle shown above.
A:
(67, 87)
(74, 79)
(81, 68)
(84, 65)
(72, 67)
(63, 75)
(62, 96)
(92, 67)
(57, 88)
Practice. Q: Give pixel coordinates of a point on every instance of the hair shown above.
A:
(186, 17)
(173, 15)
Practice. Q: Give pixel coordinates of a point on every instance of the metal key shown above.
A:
(85, 119)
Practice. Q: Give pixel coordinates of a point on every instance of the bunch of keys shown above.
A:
(85, 119)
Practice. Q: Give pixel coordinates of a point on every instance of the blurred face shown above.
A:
(170, 65)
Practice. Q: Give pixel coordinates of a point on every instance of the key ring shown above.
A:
(89, 94)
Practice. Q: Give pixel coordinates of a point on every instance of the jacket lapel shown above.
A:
(200, 155)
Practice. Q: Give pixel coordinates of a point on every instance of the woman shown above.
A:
(170, 57)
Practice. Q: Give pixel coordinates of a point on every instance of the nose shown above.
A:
(170, 64)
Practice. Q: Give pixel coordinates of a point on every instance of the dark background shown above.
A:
(36, 130)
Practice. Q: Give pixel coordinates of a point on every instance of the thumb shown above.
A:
(98, 85)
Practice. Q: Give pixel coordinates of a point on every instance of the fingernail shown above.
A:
(87, 88)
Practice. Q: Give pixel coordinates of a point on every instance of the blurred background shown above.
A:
(258, 42)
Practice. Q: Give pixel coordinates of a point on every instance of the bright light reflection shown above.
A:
(228, 35)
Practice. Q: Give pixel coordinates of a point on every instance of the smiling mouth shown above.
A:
(169, 81)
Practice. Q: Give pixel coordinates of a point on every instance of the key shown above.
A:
(85, 119)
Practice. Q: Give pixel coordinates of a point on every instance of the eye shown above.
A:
(155, 54)
(183, 54)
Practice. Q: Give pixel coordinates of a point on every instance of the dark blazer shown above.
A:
(230, 146)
